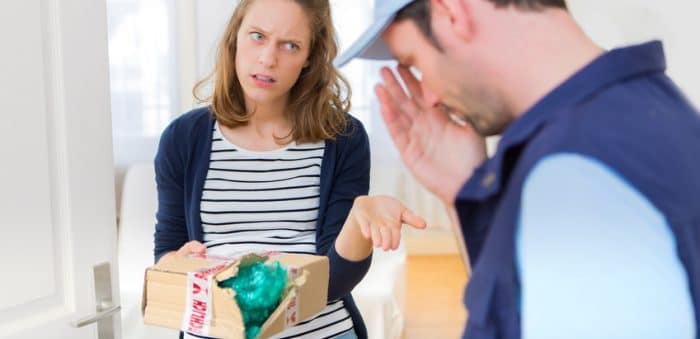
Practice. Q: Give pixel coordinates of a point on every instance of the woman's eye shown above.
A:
(256, 36)
(291, 46)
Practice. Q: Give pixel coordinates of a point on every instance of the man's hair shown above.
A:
(530, 4)
(419, 11)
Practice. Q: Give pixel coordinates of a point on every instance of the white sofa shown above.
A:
(380, 296)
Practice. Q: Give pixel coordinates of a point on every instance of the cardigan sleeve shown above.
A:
(350, 180)
(170, 231)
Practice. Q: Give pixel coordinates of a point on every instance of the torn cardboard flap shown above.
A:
(165, 296)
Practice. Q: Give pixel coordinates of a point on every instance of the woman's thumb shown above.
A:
(196, 247)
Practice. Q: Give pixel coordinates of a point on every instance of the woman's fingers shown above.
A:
(192, 247)
(386, 237)
(364, 228)
(395, 238)
(376, 235)
(412, 219)
(380, 219)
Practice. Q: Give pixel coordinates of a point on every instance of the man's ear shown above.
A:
(454, 17)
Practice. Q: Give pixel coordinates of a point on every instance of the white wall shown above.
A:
(211, 17)
(199, 25)
(614, 23)
(611, 23)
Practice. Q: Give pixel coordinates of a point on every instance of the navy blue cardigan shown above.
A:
(181, 166)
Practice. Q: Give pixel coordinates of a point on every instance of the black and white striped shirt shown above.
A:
(268, 201)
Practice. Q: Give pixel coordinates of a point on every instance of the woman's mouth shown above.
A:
(262, 80)
(263, 77)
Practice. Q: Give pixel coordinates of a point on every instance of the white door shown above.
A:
(57, 211)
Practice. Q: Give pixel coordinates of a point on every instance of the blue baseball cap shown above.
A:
(370, 45)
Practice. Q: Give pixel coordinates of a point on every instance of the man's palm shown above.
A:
(440, 152)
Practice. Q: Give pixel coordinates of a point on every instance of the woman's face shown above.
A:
(272, 49)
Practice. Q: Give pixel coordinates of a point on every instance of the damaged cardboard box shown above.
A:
(183, 293)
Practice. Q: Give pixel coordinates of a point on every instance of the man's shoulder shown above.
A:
(636, 132)
(641, 117)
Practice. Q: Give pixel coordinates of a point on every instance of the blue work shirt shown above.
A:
(628, 130)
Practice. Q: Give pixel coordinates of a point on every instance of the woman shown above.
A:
(274, 162)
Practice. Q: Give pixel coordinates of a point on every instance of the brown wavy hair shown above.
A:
(318, 101)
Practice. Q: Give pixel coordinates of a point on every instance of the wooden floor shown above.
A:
(434, 292)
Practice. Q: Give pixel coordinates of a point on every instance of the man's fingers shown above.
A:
(397, 124)
(402, 101)
(412, 84)
(393, 86)
(388, 104)
(410, 218)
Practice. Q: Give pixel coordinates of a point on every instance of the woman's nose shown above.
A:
(268, 56)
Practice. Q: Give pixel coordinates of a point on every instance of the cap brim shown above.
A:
(370, 45)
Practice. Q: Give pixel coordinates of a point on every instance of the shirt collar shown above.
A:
(611, 67)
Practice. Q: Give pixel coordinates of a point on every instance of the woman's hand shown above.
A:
(374, 221)
(380, 219)
(192, 247)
